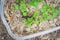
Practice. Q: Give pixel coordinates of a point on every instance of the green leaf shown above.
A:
(23, 9)
(41, 19)
(36, 14)
(29, 25)
(36, 22)
(42, 10)
(15, 7)
(45, 14)
(45, 6)
(55, 12)
(58, 8)
(48, 10)
(22, 6)
(24, 0)
(40, 0)
(17, 1)
(24, 14)
(30, 3)
(30, 20)
(48, 17)
(36, 3)
(54, 15)
(22, 3)
(52, 7)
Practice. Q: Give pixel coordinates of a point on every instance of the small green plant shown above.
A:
(23, 8)
(58, 8)
(15, 7)
(34, 2)
(41, 19)
(55, 12)
(48, 17)
(17, 1)
(29, 25)
(46, 12)
(29, 20)
(24, 14)
(36, 22)
(22, 4)
(36, 14)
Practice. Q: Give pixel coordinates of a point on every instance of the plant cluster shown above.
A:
(34, 2)
(49, 11)
(46, 11)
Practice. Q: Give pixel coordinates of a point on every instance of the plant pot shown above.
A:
(24, 37)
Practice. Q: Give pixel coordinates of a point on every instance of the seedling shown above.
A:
(41, 19)
(17, 1)
(29, 25)
(36, 14)
(34, 2)
(58, 8)
(24, 14)
(22, 4)
(15, 7)
(55, 12)
(37, 22)
(23, 9)
(35, 18)
(48, 17)
(30, 20)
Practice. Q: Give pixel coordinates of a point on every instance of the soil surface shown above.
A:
(5, 36)
(3, 32)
